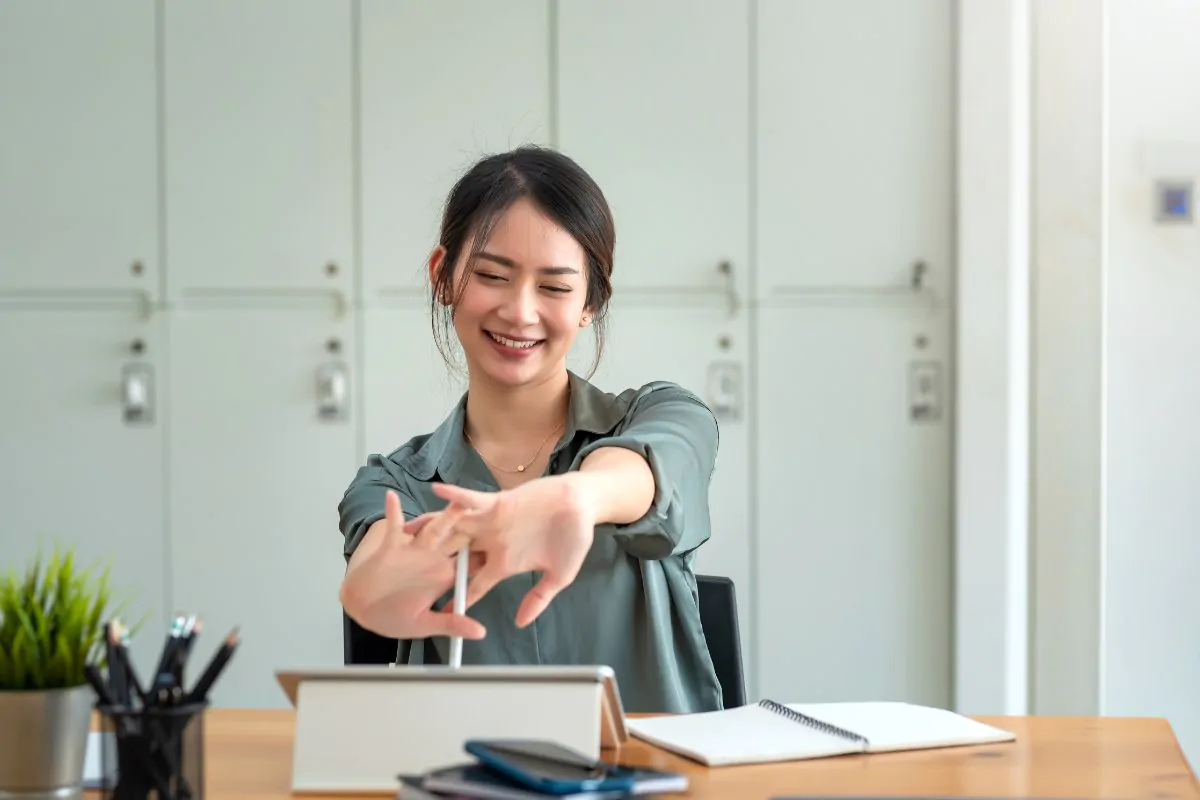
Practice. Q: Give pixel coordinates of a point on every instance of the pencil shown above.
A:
(460, 605)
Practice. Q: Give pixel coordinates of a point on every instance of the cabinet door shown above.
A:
(652, 100)
(80, 473)
(256, 475)
(704, 351)
(442, 84)
(259, 153)
(78, 149)
(408, 390)
(854, 557)
(854, 99)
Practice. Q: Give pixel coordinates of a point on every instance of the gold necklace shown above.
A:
(520, 467)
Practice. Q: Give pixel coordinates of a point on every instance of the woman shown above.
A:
(582, 509)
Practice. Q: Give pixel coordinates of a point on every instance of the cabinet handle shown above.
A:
(917, 288)
(333, 391)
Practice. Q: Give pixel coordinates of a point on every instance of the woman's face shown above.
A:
(523, 305)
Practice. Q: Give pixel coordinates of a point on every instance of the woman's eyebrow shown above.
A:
(508, 262)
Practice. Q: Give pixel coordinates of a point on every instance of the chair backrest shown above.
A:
(719, 617)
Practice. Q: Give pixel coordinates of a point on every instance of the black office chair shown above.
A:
(361, 646)
(718, 616)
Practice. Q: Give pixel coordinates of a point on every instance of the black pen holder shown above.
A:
(152, 753)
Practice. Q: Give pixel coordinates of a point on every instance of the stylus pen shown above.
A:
(460, 605)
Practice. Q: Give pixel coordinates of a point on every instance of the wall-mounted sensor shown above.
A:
(1173, 201)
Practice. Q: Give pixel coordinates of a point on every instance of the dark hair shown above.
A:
(561, 189)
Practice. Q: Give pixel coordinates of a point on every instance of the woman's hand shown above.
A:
(545, 525)
(394, 577)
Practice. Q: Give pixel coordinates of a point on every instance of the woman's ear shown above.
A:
(587, 318)
(437, 262)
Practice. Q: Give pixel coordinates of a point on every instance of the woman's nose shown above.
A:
(520, 308)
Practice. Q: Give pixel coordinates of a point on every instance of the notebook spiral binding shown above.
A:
(812, 722)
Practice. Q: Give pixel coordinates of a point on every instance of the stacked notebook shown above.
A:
(770, 731)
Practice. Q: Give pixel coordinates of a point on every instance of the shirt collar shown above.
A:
(592, 410)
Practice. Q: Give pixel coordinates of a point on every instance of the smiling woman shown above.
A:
(580, 550)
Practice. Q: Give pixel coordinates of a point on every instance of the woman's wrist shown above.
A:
(583, 496)
(613, 485)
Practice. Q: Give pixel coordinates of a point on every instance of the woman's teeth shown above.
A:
(512, 342)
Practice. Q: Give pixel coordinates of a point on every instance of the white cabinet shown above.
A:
(855, 124)
(77, 472)
(258, 147)
(442, 84)
(705, 351)
(255, 476)
(407, 389)
(855, 103)
(854, 557)
(78, 148)
(653, 101)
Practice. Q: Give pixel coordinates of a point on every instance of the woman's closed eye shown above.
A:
(492, 277)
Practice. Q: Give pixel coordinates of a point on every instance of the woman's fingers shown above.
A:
(392, 511)
(446, 623)
(437, 530)
(453, 543)
(483, 582)
(538, 599)
(468, 498)
(414, 526)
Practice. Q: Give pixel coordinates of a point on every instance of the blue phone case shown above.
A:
(622, 781)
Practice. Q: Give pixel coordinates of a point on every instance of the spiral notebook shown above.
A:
(769, 731)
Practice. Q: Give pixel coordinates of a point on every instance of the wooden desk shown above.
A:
(249, 755)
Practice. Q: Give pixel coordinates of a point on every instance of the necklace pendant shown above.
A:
(520, 468)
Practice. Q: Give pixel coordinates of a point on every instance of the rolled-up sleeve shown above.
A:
(362, 505)
(677, 435)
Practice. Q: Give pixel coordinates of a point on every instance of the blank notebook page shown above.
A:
(902, 726)
(742, 735)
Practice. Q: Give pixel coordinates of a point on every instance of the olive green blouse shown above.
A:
(634, 605)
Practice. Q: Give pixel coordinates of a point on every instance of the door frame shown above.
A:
(992, 343)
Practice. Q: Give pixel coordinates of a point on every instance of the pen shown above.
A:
(460, 604)
(116, 669)
(164, 685)
(192, 629)
(102, 689)
(121, 646)
(207, 678)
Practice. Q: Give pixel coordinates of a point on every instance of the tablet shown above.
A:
(612, 714)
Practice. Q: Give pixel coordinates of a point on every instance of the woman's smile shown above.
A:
(513, 347)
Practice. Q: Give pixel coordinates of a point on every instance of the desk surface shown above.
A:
(249, 755)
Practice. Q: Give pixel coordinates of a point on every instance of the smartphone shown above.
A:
(551, 768)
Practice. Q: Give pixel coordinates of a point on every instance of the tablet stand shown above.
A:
(356, 730)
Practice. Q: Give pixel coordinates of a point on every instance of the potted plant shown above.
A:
(52, 624)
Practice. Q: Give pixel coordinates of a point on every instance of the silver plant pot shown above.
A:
(43, 742)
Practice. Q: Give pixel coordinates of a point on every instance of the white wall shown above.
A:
(1067, 255)
(1151, 608)
(1118, 320)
